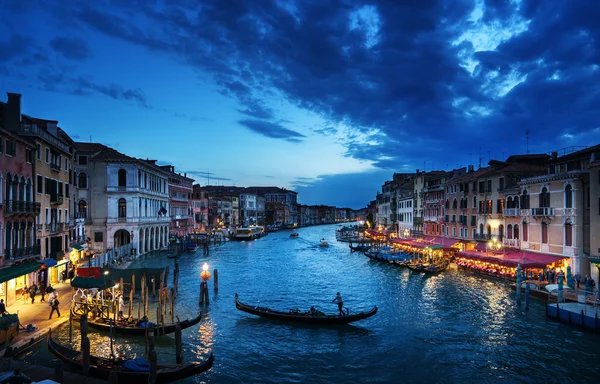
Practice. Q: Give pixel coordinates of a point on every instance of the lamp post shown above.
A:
(204, 276)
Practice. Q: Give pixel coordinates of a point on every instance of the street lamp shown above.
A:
(494, 245)
(205, 275)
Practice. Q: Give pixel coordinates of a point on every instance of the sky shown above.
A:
(327, 98)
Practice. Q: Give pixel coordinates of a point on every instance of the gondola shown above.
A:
(434, 269)
(102, 367)
(359, 248)
(294, 235)
(105, 325)
(303, 317)
(415, 267)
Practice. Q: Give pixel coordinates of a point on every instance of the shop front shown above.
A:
(15, 280)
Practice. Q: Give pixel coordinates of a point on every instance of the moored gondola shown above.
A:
(359, 248)
(303, 317)
(102, 367)
(434, 269)
(136, 328)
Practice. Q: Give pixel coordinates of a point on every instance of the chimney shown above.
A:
(471, 168)
(554, 155)
(417, 171)
(12, 112)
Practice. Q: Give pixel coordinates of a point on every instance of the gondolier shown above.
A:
(340, 302)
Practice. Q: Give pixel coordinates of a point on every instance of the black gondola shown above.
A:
(434, 269)
(105, 325)
(102, 367)
(303, 317)
(415, 267)
(359, 248)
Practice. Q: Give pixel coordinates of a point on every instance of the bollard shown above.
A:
(527, 289)
(216, 281)
(153, 288)
(152, 356)
(201, 297)
(178, 350)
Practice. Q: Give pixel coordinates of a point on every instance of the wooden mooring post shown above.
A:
(178, 351)
(216, 279)
(85, 343)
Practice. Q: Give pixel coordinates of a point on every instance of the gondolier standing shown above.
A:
(340, 302)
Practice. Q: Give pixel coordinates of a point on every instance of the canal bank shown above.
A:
(454, 327)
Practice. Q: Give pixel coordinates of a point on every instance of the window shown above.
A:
(82, 211)
(489, 186)
(0, 201)
(544, 200)
(82, 180)
(525, 232)
(98, 237)
(47, 185)
(568, 197)
(67, 192)
(501, 182)
(568, 235)
(509, 231)
(122, 207)
(11, 148)
(1, 144)
(544, 233)
(47, 155)
(525, 200)
(516, 232)
(66, 164)
(40, 184)
(82, 160)
(29, 156)
(122, 177)
(38, 152)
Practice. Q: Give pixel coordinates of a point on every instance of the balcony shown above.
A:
(39, 227)
(431, 218)
(19, 207)
(55, 167)
(22, 253)
(511, 243)
(56, 199)
(482, 236)
(511, 212)
(55, 227)
(180, 198)
(418, 220)
(433, 188)
(524, 212)
(547, 212)
(138, 219)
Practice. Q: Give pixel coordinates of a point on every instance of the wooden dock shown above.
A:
(577, 314)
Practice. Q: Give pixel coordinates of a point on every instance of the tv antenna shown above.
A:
(527, 132)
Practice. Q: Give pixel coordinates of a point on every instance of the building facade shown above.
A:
(180, 202)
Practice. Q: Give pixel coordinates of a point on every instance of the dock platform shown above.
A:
(578, 314)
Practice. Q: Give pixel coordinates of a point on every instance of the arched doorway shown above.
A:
(122, 237)
(501, 231)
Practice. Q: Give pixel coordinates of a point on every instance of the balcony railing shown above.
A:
(138, 219)
(418, 220)
(21, 207)
(56, 199)
(179, 198)
(511, 243)
(29, 129)
(431, 218)
(482, 236)
(55, 167)
(55, 227)
(511, 212)
(21, 253)
(547, 211)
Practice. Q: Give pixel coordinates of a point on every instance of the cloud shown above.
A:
(272, 130)
(72, 48)
(326, 131)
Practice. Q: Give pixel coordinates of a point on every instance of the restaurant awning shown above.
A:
(50, 262)
(10, 273)
(92, 283)
(78, 247)
(372, 232)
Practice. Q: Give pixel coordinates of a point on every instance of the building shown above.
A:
(279, 195)
(180, 201)
(248, 209)
(433, 202)
(405, 201)
(124, 200)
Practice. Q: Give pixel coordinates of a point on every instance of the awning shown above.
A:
(62, 262)
(50, 262)
(78, 247)
(91, 283)
(10, 273)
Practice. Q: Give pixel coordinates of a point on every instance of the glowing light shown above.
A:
(205, 267)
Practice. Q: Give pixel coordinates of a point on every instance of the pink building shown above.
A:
(199, 209)
(180, 202)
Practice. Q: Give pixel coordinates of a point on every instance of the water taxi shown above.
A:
(249, 233)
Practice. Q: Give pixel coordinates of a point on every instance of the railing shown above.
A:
(418, 220)
(511, 242)
(80, 215)
(21, 207)
(56, 199)
(547, 211)
(55, 227)
(20, 253)
(431, 218)
(433, 188)
(55, 167)
(146, 191)
(29, 129)
(482, 236)
(178, 198)
(524, 212)
(39, 227)
(138, 219)
(511, 212)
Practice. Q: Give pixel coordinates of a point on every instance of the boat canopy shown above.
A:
(92, 283)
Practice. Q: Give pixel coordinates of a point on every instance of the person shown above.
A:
(312, 310)
(42, 292)
(49, 289)
(577, 279)
(121, 305)
(2, 308)
(54, 304)
(340, 302)
(32, 292)
(18, 378)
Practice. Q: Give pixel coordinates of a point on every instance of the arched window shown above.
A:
(516, 232)
(447, 204)
(525, 200)
(82, 181)
(122, 177)
(122, 207)
(82, 209)
(501, 231)
(544, 233)
(568, 235)
(481, 229)
(474, 201)
(489, 230)
(568, 197)
(544, 198)
(509, 231)
(454, 204)
(525, 232)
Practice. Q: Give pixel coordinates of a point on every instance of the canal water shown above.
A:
(455, 327)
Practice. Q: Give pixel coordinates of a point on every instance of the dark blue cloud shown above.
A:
(72, 48)
(272, 130)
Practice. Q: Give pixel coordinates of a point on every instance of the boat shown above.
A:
(249, 233)
(190, 246)
(359, 248)
(124, 329)
(294, 235)
(102, 367)
(323, 243)
(415, 267)
(303, 317)
(172, 255)
(434, 269)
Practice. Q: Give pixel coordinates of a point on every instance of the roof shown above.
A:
(578, 154)
(89, 147)
(539, 157)
(92, 283)
(103, 153)
(470, 176)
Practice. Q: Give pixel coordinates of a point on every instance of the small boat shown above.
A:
(359, 248)
(190, 246)
(294, 235)
(415, 267)
(323, 243)
(124, 329)
(434, 269)
(102, 367)
(303, 317)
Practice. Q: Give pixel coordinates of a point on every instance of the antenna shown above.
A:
(527, 132)
(479, 158)
(90, 138)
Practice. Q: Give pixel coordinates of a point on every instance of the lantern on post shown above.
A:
(205, 274)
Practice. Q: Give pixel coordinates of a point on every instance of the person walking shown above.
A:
(340, 302)
(32, 292)
(42, 292)
(54, 304)
(577, 279)
(121, 306)
(2, 308)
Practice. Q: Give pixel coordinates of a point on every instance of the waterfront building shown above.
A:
(555, 211)
(405, 199)
(127, 199)
(247, 209)
(594, 229)
(199, 209)
(180, 206)
(280, 195)
(433, 202)
(260, 210)
(387, 203)
(419, 181)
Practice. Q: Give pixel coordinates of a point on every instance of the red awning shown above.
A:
(482, 247)
(512, 259)
(372, 232)
(444, 241)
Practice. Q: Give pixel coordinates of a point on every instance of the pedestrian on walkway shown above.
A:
(54, 304)
(2, 308)
(32, 292)
(49, 289)
(121, 306)
(42, 292)
(577, 279)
